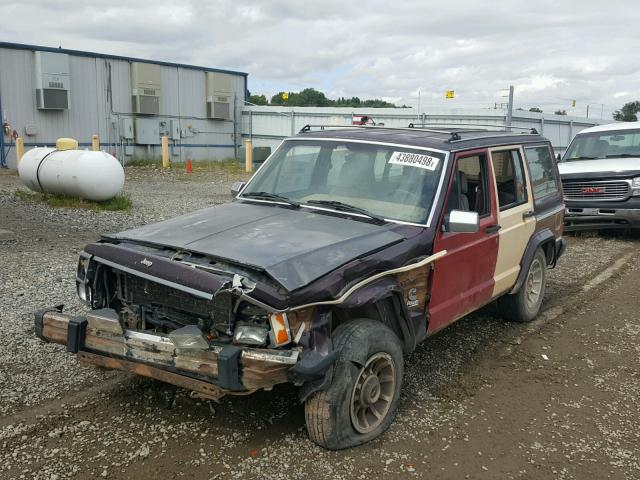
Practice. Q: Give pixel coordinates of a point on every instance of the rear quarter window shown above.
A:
(542, 171)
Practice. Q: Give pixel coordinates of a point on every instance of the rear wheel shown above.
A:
(362, 399)
(524, 305)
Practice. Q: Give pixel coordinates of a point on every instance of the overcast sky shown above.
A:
(552, 51)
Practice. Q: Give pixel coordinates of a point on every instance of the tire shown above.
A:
(524, 305)
(337, 417)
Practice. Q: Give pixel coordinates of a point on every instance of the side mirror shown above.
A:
(559, 157)
(236, 187)
(462, 222)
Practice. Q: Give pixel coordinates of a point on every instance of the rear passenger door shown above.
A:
(515, 214)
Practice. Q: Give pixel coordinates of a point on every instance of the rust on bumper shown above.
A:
(106, 344)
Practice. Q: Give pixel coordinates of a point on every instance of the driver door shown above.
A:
(463, 278)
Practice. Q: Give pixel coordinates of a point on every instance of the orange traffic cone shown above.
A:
(189, 166)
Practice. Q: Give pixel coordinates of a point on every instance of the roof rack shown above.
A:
(453, 132)
(307, 128)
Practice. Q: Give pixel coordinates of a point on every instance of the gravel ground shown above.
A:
(61, 420)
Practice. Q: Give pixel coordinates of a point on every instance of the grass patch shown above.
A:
(229, 165)
(144, 162)
(117, 203)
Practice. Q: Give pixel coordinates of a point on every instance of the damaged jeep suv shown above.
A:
(347, 248)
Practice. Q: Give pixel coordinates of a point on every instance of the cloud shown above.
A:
(553, 52)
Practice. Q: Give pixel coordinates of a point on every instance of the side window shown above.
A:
(542, 171)
(510, 179)
(470, 187)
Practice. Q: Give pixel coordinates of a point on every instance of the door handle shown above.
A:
(528, 214)
(492, 229)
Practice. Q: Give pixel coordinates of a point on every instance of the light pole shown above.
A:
(601, 109)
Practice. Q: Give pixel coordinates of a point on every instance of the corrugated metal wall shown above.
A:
(96, 80)
(269, 125)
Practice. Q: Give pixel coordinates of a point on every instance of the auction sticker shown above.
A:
(414, 160)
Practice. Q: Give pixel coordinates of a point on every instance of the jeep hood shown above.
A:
(295, 247)
(619, 166)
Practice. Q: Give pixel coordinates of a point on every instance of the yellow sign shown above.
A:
(573, 103)
(285, 96)
(450, 94)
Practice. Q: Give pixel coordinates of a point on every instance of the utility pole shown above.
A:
(418, 103)
(510, 107)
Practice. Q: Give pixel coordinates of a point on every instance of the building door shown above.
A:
(463, 278)
(515, 208)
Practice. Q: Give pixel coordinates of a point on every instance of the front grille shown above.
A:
(607, 191)
(151, 305)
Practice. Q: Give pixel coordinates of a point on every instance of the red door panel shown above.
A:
(463, 279)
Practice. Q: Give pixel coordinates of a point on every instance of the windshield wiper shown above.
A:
(582, 158)
(623, 155)
(270, 196)
(346, 207)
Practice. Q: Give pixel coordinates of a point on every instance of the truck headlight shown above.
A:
(635, 187)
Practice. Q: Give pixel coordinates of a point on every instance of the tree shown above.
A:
(628, 113)
(258, 100)
(535, 110)
(560, 112)
(310, 97)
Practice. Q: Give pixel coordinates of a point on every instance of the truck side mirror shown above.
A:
(559, 157)
(236, 188)
(459, 221)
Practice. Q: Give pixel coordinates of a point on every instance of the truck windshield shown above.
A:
(611, 144)
(390, 182)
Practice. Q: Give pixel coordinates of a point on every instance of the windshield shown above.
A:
(612, 144)
(395, 183)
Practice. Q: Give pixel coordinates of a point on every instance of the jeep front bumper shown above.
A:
(222, 369)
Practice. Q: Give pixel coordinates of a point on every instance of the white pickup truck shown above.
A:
(600, 174)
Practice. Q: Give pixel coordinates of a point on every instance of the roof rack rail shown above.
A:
(308, 127)
(498, 128)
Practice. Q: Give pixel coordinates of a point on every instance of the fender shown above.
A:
(537, 239)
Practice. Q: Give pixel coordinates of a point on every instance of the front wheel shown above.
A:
(524, 305)
(362, 399)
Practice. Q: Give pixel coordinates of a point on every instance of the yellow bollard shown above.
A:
(95, 143)
(248, 155)
(165, 152)
(19, 149)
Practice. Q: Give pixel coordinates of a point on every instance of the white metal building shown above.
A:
(267, 126)
(48, 93)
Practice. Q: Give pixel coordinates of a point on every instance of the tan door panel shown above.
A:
(516, 227)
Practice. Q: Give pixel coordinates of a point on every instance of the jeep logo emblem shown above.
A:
(412, 297)
(146, 263)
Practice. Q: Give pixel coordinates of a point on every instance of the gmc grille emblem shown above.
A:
(593, 190)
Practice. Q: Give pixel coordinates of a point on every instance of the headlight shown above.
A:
(189, 338)
(635, 187)
(251, 334)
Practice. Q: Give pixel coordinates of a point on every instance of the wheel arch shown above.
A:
(544, 239)
(384, 304)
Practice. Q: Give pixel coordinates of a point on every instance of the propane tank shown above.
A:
(86, 174)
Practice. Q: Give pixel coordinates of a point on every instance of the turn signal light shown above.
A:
(280, 334)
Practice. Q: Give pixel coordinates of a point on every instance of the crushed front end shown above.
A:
(189, 321)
